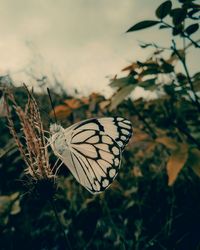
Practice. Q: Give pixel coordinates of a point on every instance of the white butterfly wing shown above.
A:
(91, 149)
(120, 129)
(92, 156)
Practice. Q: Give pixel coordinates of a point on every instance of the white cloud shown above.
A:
(83, 40)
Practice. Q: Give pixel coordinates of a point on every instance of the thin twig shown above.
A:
(189, 136)
(184, 34)
(52, 104)
(182, 60)
(146, 124)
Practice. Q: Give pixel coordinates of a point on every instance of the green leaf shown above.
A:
(189, 5)
(178, 15)
(196, 81)
(169, 89)
(177, 30)
(143, 25)
(164, 9)
(163, 27)
(182, 79)
(146, 45)
(9, 205)
(185, 1)
(148, 64)
(192, 12)
(150, 71)
(122, 82)
(192, 28)
(120, 96)
(148, 84)
(167, 67)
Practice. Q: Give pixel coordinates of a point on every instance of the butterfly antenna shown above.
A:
(52, 105)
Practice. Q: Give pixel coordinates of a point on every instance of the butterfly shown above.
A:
(92, 149)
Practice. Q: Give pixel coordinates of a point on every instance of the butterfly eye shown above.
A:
(55, 128)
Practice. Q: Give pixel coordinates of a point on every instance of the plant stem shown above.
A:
(192, 41)
(182, 60)
(189, 136)
(141, 117)
(195, 43)
(66, 240)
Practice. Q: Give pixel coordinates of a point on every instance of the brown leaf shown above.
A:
(136, 171)
(194, 161)
(160, 132)
(120, 95)
(73, 103)
(168, 142)
(150, 147)
(131, 67)
(115, 186)
(85, 100)
(176, 162)
(178, 158)
(140, 135)
(94, 96)
(104, 104)
(61, 111)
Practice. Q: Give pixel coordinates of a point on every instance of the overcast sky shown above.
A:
(81, 41)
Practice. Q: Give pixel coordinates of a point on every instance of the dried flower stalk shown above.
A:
(34, 146)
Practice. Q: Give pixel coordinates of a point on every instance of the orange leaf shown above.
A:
(104, 104)
(176, 162)
(139, 135)
(136, 171)
(94, 96)
(168, 142)
(150, 147)
(194, 161)
(61, 111)
(85, 100)
(73, 103)
(133, 66)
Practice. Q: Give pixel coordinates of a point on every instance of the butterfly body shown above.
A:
(92, 149)
(59, 140)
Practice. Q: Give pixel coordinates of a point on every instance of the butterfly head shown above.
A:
(56, 128)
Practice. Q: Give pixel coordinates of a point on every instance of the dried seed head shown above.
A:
(32, 142)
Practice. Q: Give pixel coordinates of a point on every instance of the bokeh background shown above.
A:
(82, 51)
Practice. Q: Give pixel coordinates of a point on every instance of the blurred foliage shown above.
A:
(154, 202)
